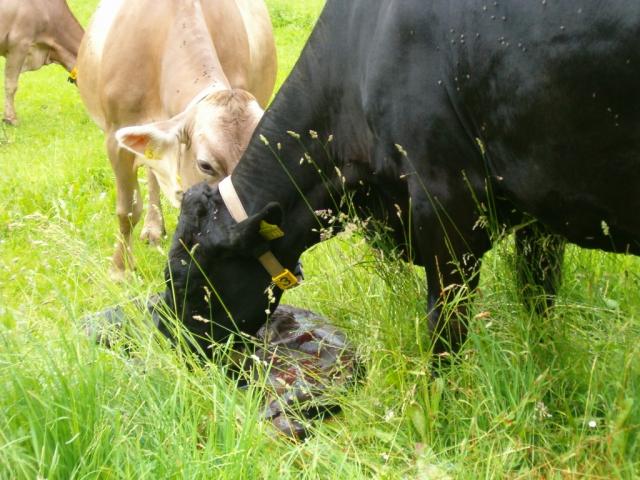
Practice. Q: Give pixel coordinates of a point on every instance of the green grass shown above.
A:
(518, 404)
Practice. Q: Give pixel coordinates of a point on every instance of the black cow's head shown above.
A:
(215, 283)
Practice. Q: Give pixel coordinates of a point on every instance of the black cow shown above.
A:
(447, 111)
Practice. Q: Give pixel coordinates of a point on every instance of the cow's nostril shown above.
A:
(206, 168)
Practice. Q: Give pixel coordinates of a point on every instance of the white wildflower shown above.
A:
(542, 411)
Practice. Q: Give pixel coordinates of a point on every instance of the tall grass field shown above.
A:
(528, 397)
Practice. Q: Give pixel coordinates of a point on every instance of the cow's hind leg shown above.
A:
(153, 230)
(15, 60)
(128, 205)
(538, 265)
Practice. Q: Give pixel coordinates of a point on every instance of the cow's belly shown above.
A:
(573, 164)
(593, 201)
(591, 217)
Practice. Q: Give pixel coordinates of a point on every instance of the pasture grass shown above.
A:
(527, 398)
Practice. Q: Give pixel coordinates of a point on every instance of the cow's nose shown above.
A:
(206, 167)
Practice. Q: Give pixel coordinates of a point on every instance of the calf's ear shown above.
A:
(152, 139)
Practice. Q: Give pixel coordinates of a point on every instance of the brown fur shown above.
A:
(224, 47)
(34, 33)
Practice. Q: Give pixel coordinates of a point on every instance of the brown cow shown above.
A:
(189, 80)
(34, 33)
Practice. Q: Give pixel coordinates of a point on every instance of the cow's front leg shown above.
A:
(128, 206)
(450, 283)
(153, 230)
(450, 245)
(538, 265)
(12, 69)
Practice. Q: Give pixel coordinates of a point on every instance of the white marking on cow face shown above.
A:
(204, 143)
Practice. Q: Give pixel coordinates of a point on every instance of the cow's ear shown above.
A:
(249, 234)
(271, 214)
(150, 140)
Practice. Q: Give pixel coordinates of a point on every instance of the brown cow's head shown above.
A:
(203, 143)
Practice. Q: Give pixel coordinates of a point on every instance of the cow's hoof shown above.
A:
(152, 235)
(11, 121)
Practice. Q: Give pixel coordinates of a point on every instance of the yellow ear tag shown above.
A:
(285, 280)
(73, 75)
(269, 231)
(149, 153)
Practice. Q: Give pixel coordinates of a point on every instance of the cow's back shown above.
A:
(123, 66)
(262, 49)
(549, 92)
(116, 59)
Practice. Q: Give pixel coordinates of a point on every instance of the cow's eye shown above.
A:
(206, 167)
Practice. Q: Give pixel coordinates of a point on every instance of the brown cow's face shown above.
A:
(204, 143)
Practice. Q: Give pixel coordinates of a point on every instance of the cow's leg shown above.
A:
(153, 230)
(538, 264)
(450, 248)
(128, 205)
(450, 282)
(13, 67)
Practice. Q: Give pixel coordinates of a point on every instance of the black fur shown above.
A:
(445, 116)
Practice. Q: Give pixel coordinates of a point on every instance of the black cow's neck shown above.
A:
(271, 169)
(291, 145)
(312, 144)
(313, 100)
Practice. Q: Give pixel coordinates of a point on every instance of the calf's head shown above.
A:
(203, 143)
(215, 284)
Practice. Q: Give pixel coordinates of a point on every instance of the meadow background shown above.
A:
(557, 397)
